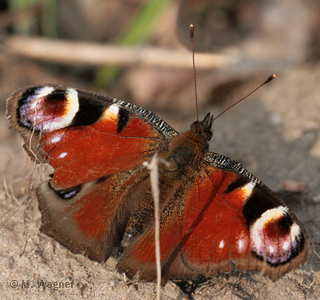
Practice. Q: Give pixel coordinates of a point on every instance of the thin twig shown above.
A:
(70, 52)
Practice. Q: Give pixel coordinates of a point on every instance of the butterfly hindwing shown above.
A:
(91, 220)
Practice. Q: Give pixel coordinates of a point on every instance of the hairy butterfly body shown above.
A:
(215, 215)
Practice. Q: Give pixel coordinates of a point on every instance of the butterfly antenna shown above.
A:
(194, 69)
(245, 97)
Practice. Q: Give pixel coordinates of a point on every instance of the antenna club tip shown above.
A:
(271, 77)
(191, 30)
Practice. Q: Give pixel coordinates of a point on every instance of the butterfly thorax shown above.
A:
(186, 151)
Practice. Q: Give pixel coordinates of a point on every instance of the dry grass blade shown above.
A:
(154, 179)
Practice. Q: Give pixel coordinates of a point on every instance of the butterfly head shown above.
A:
(202, 129)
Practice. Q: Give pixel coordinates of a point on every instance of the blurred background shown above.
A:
(139, 51)
(250, 40)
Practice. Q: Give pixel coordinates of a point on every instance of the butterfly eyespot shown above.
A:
(276, 237)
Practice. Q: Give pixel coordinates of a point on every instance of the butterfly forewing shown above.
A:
(84, 135)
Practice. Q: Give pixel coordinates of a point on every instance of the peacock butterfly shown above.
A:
(215, 215)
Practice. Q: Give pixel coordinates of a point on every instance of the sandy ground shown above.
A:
(276, 135)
